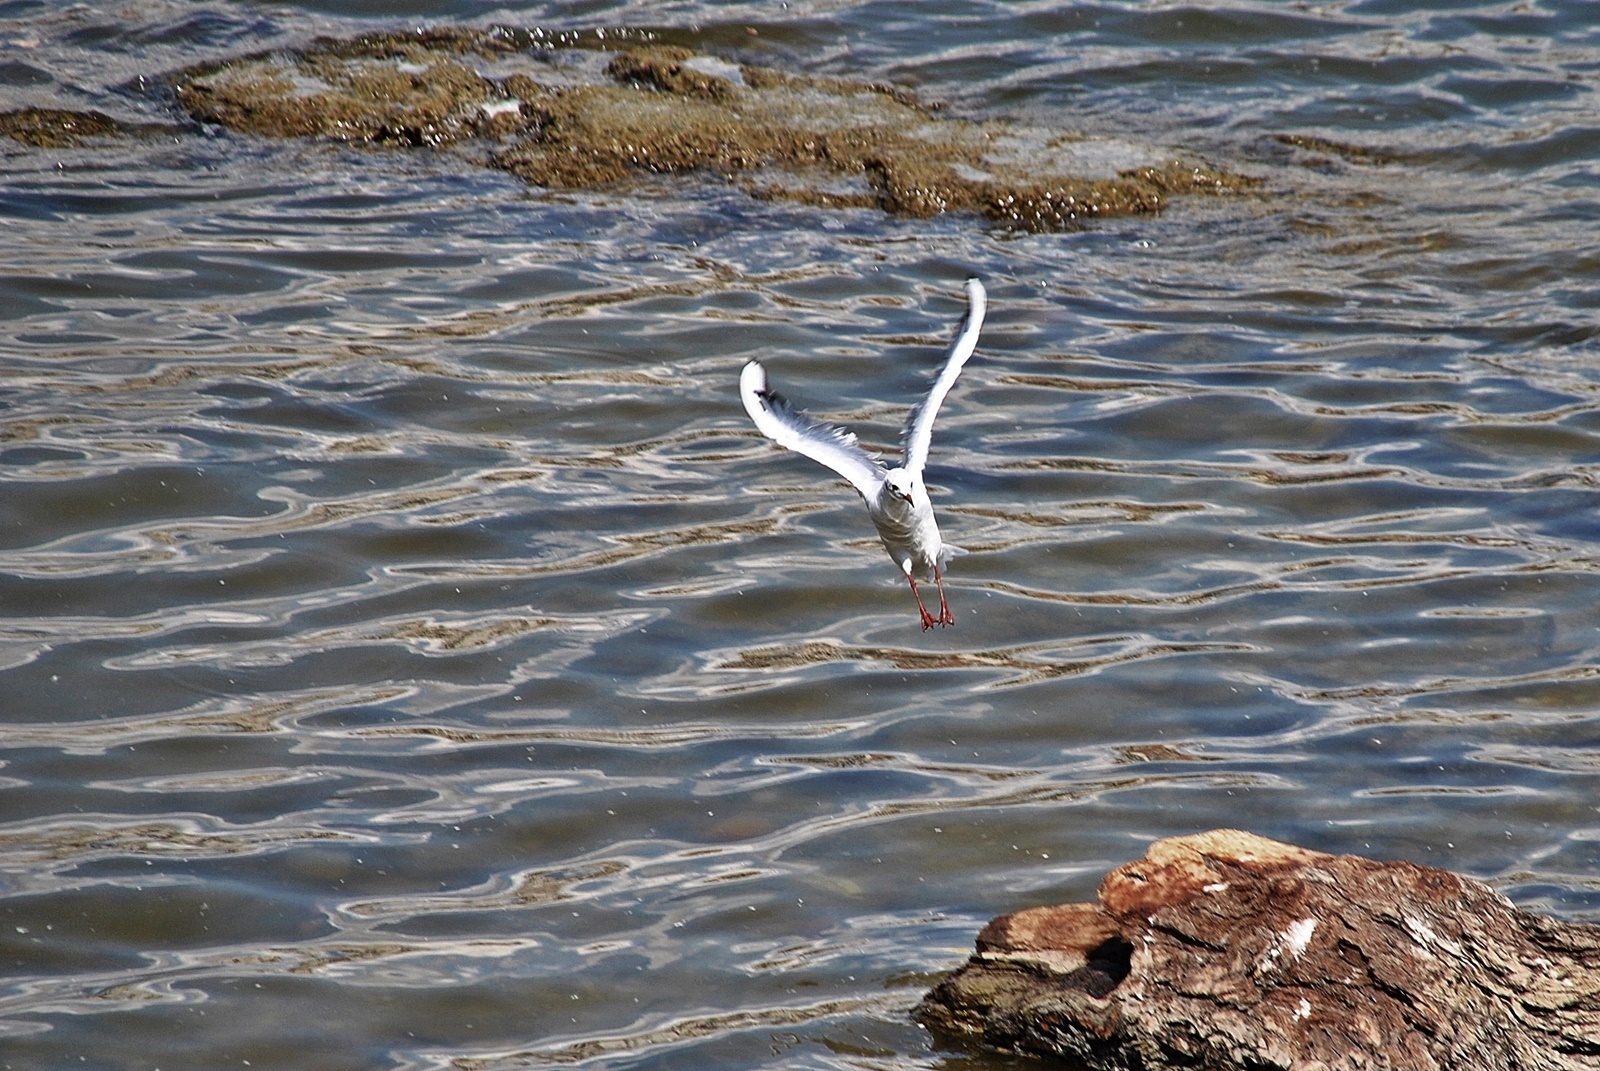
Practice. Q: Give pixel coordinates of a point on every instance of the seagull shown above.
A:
(896, 499)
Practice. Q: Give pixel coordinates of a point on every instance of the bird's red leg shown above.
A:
(928, 620)
(945, 616)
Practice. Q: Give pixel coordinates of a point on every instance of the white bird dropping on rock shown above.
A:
(896, 499)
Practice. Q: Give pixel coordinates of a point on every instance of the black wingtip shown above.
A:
(773, 400)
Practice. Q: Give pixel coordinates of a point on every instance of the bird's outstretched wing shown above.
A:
(919, 424)
(820, 441)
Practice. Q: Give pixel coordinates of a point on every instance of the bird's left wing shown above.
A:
(919, 425)
(827, 443)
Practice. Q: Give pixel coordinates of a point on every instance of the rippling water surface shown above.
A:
(412, 657)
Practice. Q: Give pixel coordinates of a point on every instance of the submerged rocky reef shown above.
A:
(581, 110)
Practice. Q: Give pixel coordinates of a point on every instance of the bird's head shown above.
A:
(901, 484)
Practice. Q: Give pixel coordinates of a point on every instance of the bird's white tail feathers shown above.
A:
(948, 551)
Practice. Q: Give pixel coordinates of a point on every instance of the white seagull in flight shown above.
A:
(896, 499)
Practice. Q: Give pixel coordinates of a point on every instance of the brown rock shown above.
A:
(1228, 950)
(53, 128)
(582, 110)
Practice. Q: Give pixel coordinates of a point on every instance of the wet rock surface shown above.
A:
(579, 111)
(1228, 950)
(53, 128)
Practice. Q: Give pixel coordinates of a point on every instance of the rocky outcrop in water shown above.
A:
(55, 128)
(583, 110)
(1225, 950)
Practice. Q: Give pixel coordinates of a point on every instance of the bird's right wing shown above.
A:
(827, 443)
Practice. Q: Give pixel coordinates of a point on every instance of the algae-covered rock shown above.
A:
(58, 128)
(419, 90)
(581, 110)
(52, 128)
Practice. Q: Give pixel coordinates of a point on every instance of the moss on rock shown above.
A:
(582, 111)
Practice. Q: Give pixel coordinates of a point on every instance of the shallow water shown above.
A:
(414, 658)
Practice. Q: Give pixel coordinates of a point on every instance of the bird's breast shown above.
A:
(909, 535)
